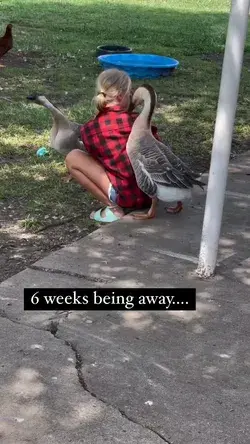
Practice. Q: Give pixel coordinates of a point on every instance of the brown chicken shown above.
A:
(6, 42)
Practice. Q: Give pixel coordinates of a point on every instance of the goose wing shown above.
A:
(153, 167)
(76, 127)
(175, 161)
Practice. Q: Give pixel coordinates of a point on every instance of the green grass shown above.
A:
(60, 38)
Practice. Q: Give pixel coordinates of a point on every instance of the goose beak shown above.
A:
(135, 101)
(132, 105)
(32, 97)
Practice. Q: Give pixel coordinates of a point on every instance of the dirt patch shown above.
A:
(218, 58)
(19, 59)
(239, 146)
(20, 247)
(12, 159)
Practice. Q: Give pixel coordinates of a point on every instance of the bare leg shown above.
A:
(69, 177)
(175, 210)
(151, 212)
(91, 176)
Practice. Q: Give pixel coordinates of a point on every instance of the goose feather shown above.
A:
(65, 134)
(159, 172)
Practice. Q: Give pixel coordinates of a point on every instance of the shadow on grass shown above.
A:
(188, 100)
(176, 360)
(66, 70)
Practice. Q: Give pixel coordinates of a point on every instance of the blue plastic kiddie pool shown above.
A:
(140, 65)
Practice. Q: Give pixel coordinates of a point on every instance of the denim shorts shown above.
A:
(112, 194)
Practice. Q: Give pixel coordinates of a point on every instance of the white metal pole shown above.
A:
(227, 103)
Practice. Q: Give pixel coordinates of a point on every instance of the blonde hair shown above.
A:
(112, 85)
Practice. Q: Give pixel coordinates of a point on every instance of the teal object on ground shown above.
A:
(109, 216)
(41, 152)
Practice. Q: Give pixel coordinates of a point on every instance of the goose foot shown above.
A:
(175, 210)
(150, 214)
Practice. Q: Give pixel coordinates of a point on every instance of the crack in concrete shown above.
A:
(53, 329)
(72, 274)
(78, 366)
(53, 324)
(145, 427)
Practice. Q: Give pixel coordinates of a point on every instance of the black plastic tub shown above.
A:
(112, 49)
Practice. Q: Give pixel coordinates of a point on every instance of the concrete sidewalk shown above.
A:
(129, 377)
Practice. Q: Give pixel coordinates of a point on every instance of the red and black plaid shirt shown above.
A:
(105, 139)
